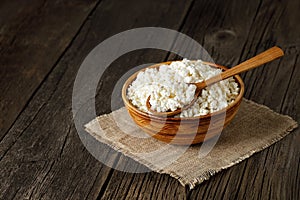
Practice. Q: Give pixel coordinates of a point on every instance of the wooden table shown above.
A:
(43, 44)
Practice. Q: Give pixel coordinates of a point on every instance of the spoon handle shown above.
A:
(260, 59)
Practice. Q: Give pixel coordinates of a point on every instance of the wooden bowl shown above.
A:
(183, 131)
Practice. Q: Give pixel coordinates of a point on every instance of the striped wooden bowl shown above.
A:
(183, 131)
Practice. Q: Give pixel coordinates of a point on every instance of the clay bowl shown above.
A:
(183, 131)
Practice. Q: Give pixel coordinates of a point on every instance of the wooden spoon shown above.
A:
(260, 59)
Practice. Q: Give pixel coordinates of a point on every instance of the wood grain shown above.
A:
(33, 36)
(41, 155)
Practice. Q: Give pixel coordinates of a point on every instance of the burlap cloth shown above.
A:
(254, 128)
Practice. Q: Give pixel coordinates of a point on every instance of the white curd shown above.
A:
(169, 89)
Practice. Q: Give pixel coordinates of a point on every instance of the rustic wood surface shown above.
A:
(43, 44)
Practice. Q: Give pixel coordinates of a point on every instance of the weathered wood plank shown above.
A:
(41, 155)
(33, 35)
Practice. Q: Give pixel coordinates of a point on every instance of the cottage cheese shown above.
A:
(169, 89)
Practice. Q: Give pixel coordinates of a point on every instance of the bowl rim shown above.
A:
(135, 109)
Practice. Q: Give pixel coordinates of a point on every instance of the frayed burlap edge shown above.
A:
(210, 172)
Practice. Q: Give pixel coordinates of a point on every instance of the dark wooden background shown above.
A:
(43, 44)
